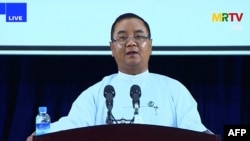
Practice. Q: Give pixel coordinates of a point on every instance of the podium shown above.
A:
(127, 132)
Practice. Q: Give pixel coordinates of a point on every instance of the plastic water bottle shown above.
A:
(42, 121)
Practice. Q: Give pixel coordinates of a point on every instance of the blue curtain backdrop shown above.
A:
(220, 84)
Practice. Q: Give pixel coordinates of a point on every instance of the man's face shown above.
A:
(132, 56)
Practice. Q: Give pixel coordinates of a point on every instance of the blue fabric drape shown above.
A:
(220, 84)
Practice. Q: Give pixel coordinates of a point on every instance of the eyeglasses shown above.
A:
(125, 39)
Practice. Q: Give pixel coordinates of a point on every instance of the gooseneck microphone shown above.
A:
(109, 94)
(135, 94)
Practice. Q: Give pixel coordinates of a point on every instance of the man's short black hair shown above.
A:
(127, 16)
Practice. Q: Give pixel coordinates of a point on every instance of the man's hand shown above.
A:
(30, 138)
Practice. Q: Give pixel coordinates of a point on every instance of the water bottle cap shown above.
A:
(42, 109)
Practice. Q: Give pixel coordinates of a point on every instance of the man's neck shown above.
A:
(133, 71)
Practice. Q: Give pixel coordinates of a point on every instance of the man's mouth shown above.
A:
(131, 53)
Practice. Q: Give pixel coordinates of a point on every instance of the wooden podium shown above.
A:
(127, 132)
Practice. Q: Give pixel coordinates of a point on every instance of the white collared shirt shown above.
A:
(164, 101)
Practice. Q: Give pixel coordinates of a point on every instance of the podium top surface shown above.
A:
(124, 132)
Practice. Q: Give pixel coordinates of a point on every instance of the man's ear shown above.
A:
(111, 48)
(151, 46)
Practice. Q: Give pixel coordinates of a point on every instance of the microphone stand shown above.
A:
(109, 119)
(136, 109)
(136, 118)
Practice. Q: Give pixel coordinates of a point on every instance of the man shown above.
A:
(163, 100)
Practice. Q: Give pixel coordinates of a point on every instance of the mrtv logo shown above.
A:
(227, 17)
(231, 17)
(15, 12)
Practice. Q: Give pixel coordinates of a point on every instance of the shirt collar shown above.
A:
(133, 78)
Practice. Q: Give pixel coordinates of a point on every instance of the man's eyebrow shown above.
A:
(139, 31)
(121, 32)
(124, 32)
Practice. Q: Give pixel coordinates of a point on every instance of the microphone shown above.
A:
(109, 94)
(135, 94)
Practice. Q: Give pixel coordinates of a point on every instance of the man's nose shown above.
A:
(131, 41)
